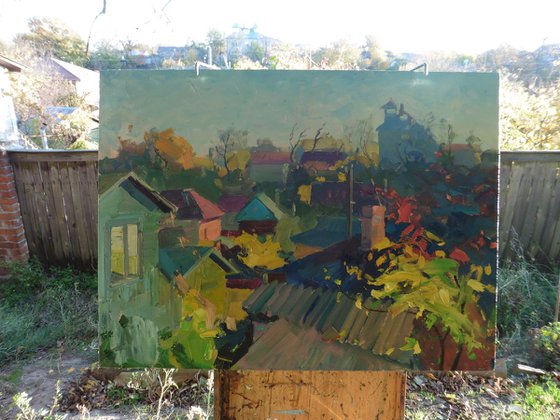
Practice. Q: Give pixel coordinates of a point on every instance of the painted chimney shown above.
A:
(373, 226)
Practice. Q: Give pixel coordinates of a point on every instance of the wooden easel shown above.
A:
(356, 395)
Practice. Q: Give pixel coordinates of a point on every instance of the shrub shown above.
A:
(548, 345)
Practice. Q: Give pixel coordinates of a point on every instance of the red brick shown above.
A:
(19, 230)
(8, 185)
(6, 178)
(11, 223)
(10, 215)
(6, 206)
(7, 194)
(14, 236)
(12, 245)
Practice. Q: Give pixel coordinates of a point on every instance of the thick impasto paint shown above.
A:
(298, 220)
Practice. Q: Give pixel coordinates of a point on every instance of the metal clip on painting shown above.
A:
(200, 64)
(425, 65)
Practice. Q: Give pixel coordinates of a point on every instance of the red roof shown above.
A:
(233, 203)
(459, 147)
(192, 205)
(267, 158)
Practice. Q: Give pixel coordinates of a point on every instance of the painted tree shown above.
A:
(230, 142)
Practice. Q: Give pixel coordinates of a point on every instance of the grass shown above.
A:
(526, 302)
(541, 400)
(42, 309)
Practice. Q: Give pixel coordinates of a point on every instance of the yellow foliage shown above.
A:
(341, 177)
(238, 159)
(320, 179)
(175, 149)
(304, 193)
(260, 253)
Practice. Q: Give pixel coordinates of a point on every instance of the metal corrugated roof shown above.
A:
(334, 314)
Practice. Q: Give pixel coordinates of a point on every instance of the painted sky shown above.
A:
(268, 104)
(401, 26)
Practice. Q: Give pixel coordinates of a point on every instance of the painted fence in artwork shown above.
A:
(530, 205)
(57, 191)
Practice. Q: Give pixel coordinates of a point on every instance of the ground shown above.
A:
(429, 395)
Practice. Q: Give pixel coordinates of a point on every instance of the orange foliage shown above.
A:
(175, 149)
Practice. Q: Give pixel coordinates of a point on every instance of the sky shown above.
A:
(467, 26)
(268, 104)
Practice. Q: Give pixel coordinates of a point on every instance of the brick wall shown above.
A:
(13, 244)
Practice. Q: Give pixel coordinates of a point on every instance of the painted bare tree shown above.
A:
(295, 142)
(230, 140)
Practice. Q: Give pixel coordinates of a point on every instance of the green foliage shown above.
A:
(541, 400)
(49, 36)
(529, 116)
(526, 299)
(548, 345)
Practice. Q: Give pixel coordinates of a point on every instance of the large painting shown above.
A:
(298, 220)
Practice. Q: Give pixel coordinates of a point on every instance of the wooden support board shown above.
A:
(309, 395)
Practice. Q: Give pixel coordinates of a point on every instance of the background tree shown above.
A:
(50, 37)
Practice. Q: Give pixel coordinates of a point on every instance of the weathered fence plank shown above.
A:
(57, 191)
(530, 205)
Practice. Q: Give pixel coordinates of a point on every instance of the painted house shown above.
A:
(321, 161)
(135, 300)
(206, 272)
(197, 217)
(327, 232)
(269, 166)
(402, 139)
(231, 205)
(309, 328)
(260, 215)
(147, 288)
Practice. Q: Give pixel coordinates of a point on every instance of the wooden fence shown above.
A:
(57, 191)
(530, 205)
(58, 198)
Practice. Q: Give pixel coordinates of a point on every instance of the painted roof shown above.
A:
(183, 260)
(260, 208)
(329, 231)
(270, 158)
(233, 203)
(142, 192)
(331, 318)
(328, 156)
(192, 205)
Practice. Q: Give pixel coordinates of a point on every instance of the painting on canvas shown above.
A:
(298, 220)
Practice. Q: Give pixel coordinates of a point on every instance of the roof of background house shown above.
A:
(332, 324)
(142, 192)
(260, 207)
(192, 205)
(73, 72)
(183, 260)
(266, 158)
(328, 156)
(233, 203)
(329, 231)
(10, 64)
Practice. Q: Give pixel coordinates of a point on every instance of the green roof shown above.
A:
(185, 259)
(260, 207)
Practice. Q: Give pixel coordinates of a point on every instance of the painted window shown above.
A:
(125, 251)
